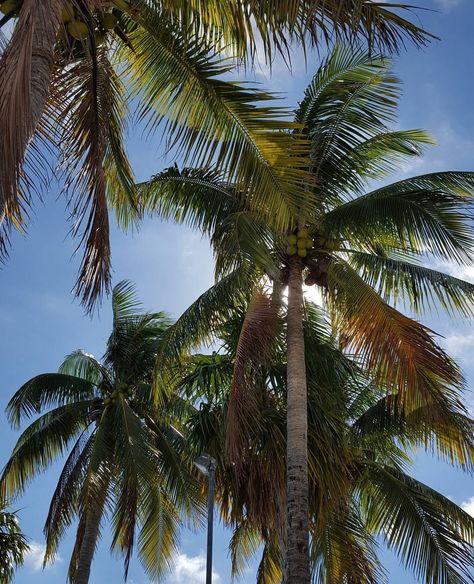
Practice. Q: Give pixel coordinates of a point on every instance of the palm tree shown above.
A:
(13, 545)
(125, 457)
(359, 452)
(362, 250)
(70, 67)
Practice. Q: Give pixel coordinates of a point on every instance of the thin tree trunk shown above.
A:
(297, 547)
(86, 555)
(25, 73)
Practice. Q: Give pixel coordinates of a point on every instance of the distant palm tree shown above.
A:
(363, 251)
(71, 67)
(13, 545)
(359, 447)
(126, 462)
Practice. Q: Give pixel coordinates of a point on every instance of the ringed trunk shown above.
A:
(86, 555)
(297, 536)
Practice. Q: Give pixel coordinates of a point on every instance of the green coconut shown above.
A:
(309, 243)
(78, 29)
(292, 239)
(109, 20)
(302, 252)
(303, 233)
(291, 250)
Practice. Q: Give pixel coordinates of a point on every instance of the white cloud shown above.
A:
(468, 506)
(35, 555)
(448, 5)
(191, 570)
(459, 344)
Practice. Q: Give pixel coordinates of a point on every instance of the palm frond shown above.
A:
(399, 351)
(43, 441)
(432, 535)
(47, 390)
(425, 214)
(254, 350)
(210, 120)
(419, 287)
(90, 96)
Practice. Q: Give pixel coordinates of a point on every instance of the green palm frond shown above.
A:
(416, 285)
(43, 441)
(64, 506)
(199, 198)
(425, 214)
(47, 390)
(432, 535)
(85, 366)
(210, 120)
(13, 545)
(345, 551)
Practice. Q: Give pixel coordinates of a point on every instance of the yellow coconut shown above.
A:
(121, 5)
(302, 252)
(68, 13)
(303, 232)
(301, 244)
(109, 20)
(309, 243)
(78, 29)
(8, 6)
(292, 239)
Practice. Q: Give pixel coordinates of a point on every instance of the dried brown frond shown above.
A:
(254, 350)
(25, 71)
(400, 351)
(86, 92)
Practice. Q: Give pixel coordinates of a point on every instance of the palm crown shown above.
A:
(13, 545)
(72, 67)
(125, 457)
(359, 453)
(364, 250)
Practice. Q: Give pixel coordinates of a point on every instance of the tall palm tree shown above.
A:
(13, 545)
(125, 458)
(70, 67)
(359, 453)
(363, 250)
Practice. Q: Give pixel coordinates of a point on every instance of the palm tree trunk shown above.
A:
(297, 547)
(86, 555)
(25, 74)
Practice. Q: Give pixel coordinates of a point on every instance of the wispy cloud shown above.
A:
(447, 5)
(35, 555)
(191, 570)
(468, 506)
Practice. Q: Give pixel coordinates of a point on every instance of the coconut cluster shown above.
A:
(123, 390)
(299, 243)
(74, 27)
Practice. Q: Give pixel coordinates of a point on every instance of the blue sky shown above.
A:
(40, 322)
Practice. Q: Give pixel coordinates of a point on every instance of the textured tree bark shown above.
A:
(297, 536)
(86, 555)
(25, 74)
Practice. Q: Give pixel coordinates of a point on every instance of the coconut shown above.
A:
(301, 244)
(302, 252)
(67, 13)
(303, 232)
(8, 6)
(291, 250)
(109, 21)
(78, 29)
(121, 5)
